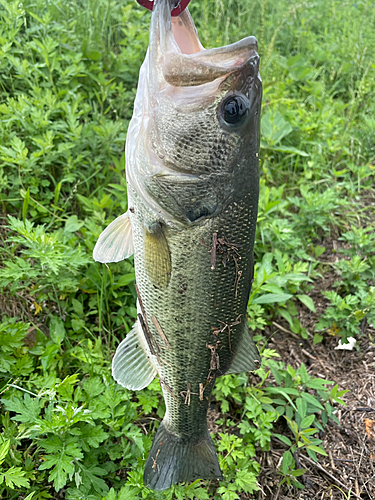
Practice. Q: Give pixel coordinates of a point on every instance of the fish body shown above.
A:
(192, 173)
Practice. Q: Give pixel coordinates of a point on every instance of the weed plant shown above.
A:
(68, 74)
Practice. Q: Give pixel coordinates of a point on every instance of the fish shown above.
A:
(192, 169)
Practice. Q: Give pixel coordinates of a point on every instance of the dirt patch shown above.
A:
(350, 464)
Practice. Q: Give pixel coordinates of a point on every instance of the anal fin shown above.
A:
(131, 366)
(247, 357)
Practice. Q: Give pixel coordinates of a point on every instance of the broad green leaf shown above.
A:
(124, 280)
(310, 399)
(318, 383)
(57, 330)
(301, 407)
(284, 439)
(272, 298)
(317, 338)
(307, 421)
(298, 472)
(317, 449)
(286, 462)
(307, 301)
(274, 127)
(78, 307)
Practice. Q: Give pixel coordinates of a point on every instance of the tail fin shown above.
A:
(173, 459)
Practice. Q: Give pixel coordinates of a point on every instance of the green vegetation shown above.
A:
(68, 72)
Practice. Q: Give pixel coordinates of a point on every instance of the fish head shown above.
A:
(197, 116)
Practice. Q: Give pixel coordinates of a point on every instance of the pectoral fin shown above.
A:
(157, 257)
(116, 241)
(131, 367)
(247, 357)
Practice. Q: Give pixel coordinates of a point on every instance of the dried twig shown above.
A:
(146, 333)
(160, 331)
(145, 327)
(168, 388)
(213, 251)
(227, 326)
(201, 391)
(333, 478)
(154, 459)
(215, 360)
(285, 330)
(187, 394)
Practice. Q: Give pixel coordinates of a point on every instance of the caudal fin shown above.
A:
(173, 459)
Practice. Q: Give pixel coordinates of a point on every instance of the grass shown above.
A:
(68, 78)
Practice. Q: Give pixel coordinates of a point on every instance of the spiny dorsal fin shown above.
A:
(116, 241)
(131, 366)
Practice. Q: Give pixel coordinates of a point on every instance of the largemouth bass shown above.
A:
(192, 172)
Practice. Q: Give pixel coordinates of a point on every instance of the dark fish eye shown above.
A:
(234, 109)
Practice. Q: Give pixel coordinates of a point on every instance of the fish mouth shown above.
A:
(179, 59)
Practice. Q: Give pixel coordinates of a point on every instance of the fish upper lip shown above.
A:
(184, 60)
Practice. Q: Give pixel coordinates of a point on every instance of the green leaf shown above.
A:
(274, 128)
(317, 338)
(60, 459)
(25, 205)
(78, 307)
(310, 399)
(92, 436)
(72, 224)
(301, 407)
(27, 410)
(272, 298)
(4, 448)
(286, 462)
(317, 449)
(124, 280)
(284, 439)
(128, 493)
(91, 476)
(57, 330)
(14, 477)
(30, 496)
(309, 303)
(307, 421)
(57, 193)
(284, 392)
(298, 472)
(318, 383)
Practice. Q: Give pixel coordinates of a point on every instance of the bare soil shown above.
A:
(350, 465)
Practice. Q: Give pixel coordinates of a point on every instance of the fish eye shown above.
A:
(234, 109)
